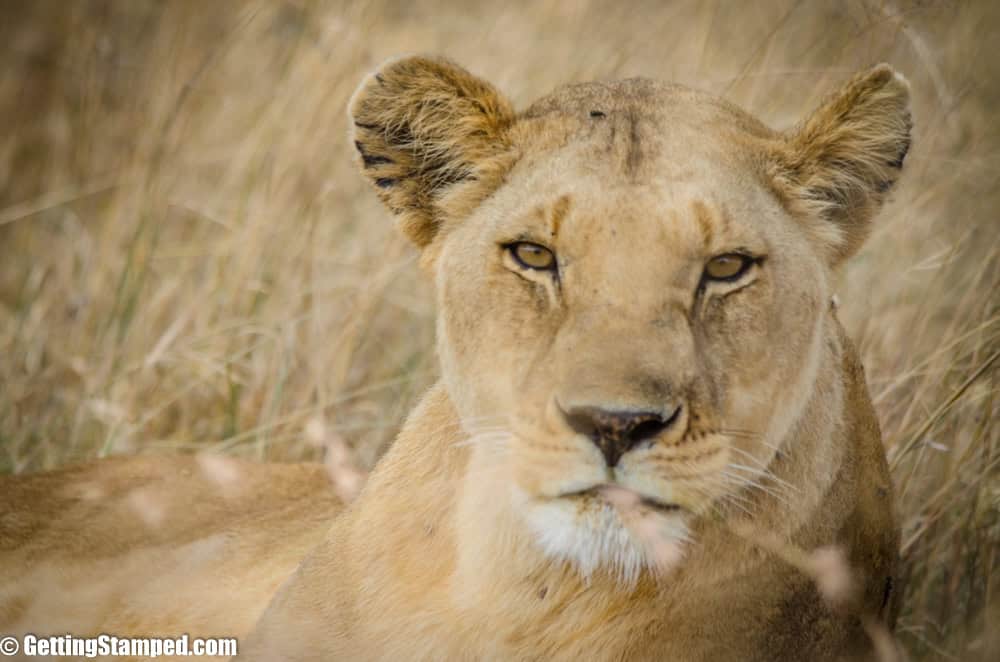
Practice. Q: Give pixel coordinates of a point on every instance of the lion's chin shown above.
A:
(595, 536)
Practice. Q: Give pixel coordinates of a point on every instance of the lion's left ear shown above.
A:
(432, 138)
(836, 168)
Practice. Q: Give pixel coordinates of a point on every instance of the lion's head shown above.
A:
(632, 278)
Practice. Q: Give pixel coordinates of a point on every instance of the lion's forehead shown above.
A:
(646, 97)
(654, 151)
(639, 129)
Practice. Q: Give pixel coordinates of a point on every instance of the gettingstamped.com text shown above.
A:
(107, 645)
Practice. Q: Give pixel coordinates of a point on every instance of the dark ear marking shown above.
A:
(426, 130)
(886, 594)
(373, 160)
(898, 162)
(599, 114)
(370, 160)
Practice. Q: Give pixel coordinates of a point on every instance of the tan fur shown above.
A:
(839, 164)
(466, 543)
(421, 126)
(154, 546)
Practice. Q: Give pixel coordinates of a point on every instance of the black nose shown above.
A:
(616, 432)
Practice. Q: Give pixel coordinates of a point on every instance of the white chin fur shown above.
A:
(596, 538)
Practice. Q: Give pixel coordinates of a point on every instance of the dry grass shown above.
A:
(188, 260)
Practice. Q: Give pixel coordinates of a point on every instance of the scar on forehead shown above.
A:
(559, 211)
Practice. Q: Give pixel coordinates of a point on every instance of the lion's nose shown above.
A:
(616, 432)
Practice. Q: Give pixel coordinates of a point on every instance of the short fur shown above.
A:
(480, 534)
(154, 546)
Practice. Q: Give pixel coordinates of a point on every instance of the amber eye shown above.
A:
(727, 267)
(532, 256)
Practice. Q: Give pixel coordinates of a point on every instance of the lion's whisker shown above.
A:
(742, 434)
(761, 470)
(462, 425)
(744, 481)
(485, 439)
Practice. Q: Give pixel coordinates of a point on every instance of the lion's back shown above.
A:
(196, 544)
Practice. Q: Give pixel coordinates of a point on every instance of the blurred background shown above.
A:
(189, 261)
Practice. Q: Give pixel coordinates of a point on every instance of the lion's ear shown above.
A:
(837, 166)
(424, 127)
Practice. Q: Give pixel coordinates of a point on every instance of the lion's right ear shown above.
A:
(424, 127)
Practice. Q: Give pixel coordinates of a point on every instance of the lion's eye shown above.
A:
(727, 267)
(532, 256)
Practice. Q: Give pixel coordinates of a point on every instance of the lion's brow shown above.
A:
(712, 221)
(559, 211)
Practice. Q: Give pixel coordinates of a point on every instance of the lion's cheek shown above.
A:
(489, 334)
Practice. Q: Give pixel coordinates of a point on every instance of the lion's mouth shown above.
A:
(661, 506)
(623, 498)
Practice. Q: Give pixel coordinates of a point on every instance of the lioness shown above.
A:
(645, 396)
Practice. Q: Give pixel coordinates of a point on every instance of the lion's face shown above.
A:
(630, 284)
(609, 326)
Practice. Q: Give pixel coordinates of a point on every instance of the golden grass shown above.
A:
(188, 260)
